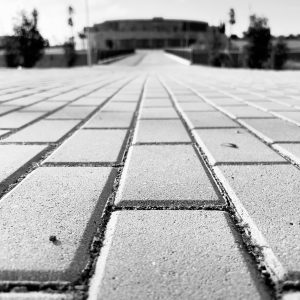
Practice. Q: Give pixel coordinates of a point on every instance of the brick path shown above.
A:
(149, 179)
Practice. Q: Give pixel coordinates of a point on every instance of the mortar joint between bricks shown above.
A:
(249, 245)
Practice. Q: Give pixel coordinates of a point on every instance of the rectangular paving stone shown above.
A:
(35, 296)
(188, 98)
(290, 150)
(18, 119)
(165, 175)
(238, 112)
(6, 108)
(110, 119)
(174, 255)
(273, 130)
(225, 101)
(72, 112)
(163, 102)
(158, 113)
(292, 116)
(270, 195)
(43, 131)
(46, 106)
(2, 132)
(272, 106)
(230, 146)
(61, 202)
(192, 106)
(161, 131)
(14, 159)
(122, 107)
(89, 101)
(91, 146)
(209, 120)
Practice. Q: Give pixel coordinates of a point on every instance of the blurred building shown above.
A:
(154, 33)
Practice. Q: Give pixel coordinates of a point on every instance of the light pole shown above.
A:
(89, 53)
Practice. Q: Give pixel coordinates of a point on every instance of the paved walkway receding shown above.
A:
(149, 179)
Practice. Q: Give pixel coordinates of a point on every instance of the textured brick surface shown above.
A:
(161, 131)
(165, 176)
(18, 119)
(91, 146)
(35, 296)
(273, 130)
(234, 146)
(209, 120)
(158, 113)
(196, 107)
(175, 255)
(237, 112)
(292, 116)
(290, 150)
(43, 131)
(270, 194)
(61, 202)
(12, 160)
(72, 112)
(105, 119)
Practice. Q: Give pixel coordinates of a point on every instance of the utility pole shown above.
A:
(89, 52)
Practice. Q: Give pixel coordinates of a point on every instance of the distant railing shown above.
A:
(234, 59)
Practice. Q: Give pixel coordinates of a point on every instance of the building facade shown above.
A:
(156, 33)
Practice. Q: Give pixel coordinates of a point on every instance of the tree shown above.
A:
(232, 19)
(26, 47)
(259, 42)
(69, 46)
(280, 54)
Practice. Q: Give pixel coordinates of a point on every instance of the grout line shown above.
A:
(253, 239)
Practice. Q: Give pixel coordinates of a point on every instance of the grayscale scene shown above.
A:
(149, 150)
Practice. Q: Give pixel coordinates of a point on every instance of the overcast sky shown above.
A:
(283, 15)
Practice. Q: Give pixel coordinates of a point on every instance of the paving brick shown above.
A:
(188, 98)
(43, 131)
(158, 113)
(26, 101)
(161, 131)
(5, 109)
(163, 102)
(237, 112)
(273, 130)
(14, 159)
(61, 202)
(270, 194)
(109, 119)
(122, 107)
(272, 106)
(91, 146)
(291, 116)
(89, 101)
(290, 150)
(18, 119)
(209, 120)
(192, 106)
(225, 101)
(234, 146)
(43, 106)
(175, 255)
(165, 176)
(2, 132)
(72, 112)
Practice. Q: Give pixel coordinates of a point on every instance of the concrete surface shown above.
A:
(60, 202)
(165, 176)
(270, 194)
(232, 146)
(91, 146)
(174, 255)
(161, 131)
(168, 196)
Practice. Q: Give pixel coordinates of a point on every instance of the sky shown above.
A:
(283, 15)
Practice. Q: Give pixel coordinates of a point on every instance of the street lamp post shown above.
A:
(89, 53)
